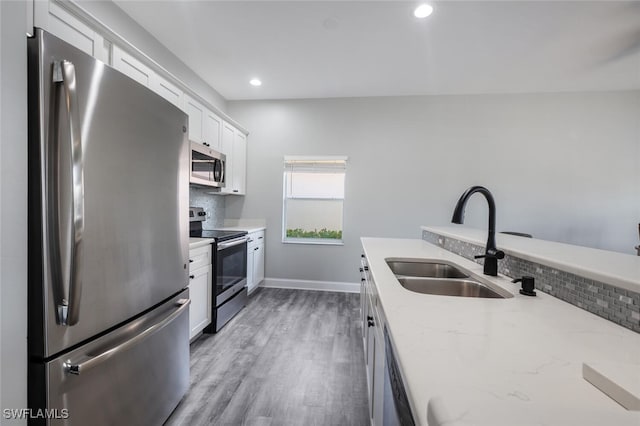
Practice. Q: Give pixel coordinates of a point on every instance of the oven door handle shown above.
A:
(227, 244)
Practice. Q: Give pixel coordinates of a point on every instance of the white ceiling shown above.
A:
(317, 49)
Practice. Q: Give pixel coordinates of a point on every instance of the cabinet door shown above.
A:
(370, 356)
(132, 67)
(250, 267)
(195, 111)
(200, 295)
(258, 263)
(379, 367)
(228, 134)
(51, 17)
(212, 130)
(239, 163)
(167, 90)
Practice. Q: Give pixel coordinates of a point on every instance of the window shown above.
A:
(313, 199)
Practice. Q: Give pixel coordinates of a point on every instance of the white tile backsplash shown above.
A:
(213, 204)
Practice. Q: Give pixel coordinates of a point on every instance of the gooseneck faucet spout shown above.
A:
(492, 254)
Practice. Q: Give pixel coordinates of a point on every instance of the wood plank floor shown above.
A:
(291, 357)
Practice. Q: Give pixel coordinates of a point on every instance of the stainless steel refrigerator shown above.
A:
(108, 336)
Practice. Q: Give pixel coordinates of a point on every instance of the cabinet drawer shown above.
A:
(256, 237)
(199, 257)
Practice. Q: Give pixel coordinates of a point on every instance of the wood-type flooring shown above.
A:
(289, 358)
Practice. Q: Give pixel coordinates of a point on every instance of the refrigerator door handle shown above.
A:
(92, 361)
(69, 307)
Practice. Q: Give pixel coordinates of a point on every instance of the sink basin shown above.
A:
(424, 268)
(449, 287)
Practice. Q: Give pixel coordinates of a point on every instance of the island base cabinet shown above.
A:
(374, 351)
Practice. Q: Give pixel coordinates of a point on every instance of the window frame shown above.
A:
(285, 179)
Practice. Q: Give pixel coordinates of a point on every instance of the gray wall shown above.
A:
(13, 205)
(564, 167)
(113, 17)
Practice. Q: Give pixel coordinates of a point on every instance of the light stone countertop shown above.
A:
(618, 269)
(515, 361)
(249, 229)
(249, 225)
(199, 242)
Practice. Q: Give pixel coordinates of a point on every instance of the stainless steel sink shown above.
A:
(449, 287)
(424, 268)
(440, 278)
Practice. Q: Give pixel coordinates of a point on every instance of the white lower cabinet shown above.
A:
(255, 260)
(200, 289)
(373, 324)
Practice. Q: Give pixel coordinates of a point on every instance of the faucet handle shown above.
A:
(495, 254)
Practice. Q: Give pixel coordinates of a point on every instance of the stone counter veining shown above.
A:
(484, 360)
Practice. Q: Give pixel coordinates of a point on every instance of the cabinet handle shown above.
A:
(257, 248)
(190, 260)
(370, 323)
(192, 276)
(369, 318)
(235, 190)
(366, 268)
(260, 238)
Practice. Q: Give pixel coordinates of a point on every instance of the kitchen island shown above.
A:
(515, 360)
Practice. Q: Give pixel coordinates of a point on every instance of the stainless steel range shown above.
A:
(230, 269)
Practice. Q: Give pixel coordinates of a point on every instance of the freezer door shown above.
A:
(108, 206)
(135, 375)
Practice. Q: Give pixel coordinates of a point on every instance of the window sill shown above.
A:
(313, 242)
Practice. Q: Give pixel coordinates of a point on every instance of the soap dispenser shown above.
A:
(528, 285)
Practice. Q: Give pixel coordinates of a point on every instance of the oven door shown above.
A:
(231, 268)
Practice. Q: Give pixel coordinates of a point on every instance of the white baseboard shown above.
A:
(311, 285)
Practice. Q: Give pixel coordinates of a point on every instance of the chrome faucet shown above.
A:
(491, 254)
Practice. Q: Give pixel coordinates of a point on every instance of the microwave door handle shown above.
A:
(220, 169)
(68, 308)
(223, 169)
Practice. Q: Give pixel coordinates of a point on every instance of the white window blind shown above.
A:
(313, 199)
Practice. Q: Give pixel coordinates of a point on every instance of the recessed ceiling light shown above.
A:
(423, 11)
(255, 82)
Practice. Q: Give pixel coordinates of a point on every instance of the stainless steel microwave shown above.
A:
(207, 166)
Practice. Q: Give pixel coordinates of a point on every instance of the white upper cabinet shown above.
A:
(54, 19)
(212, 130)
(138, 71)
(195, 111)
(228, 133)
(204, 126)
(239, 163)
(132, 67)
(234, 146)
(167, 90)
